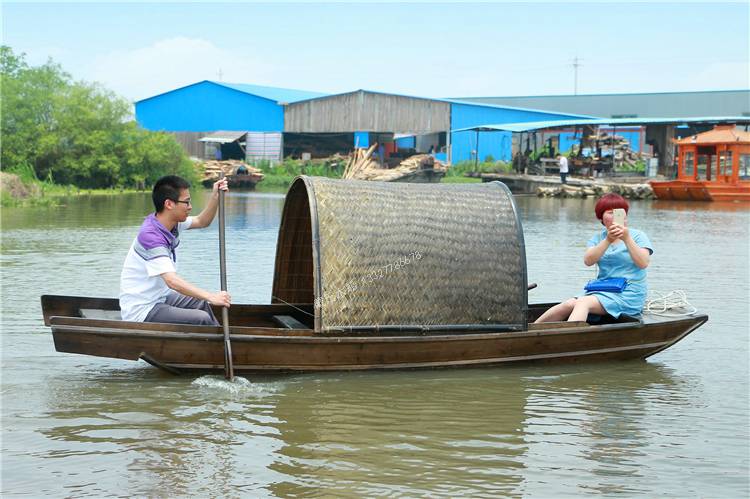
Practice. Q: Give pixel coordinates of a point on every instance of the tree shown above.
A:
(76, 132)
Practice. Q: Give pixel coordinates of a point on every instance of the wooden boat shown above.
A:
(711, 166)
(238, 174)
(424, 176)
(413, 287)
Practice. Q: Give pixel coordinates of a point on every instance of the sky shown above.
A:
(430, 49)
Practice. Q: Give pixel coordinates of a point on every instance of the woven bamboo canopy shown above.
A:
(382, 256)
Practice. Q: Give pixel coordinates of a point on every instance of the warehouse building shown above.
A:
(217, 119)
(418, 124)
(403, 124)
(638, 105)
(254, 113)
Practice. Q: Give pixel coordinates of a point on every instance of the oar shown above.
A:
(228, 367)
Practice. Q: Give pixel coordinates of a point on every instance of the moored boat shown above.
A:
(238, 174)
(374, 275)
(711, 166)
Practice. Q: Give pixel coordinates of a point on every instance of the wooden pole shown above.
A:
(476, 157)
(228, 366)
(614, 129)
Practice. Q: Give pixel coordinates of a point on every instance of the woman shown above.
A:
(620, 252)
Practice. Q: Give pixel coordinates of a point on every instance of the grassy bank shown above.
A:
(279, 176)
(456, 174)
(21, 187)
(15, 190)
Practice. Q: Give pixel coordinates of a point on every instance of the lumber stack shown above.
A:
(213, 168)
(362, 166)
(624, 155)
(359, 161)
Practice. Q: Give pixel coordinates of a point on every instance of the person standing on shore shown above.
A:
(150, 288)
(563, 162)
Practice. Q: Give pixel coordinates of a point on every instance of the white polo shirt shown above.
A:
(151, 255)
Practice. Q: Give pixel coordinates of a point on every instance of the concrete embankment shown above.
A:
(548, 186)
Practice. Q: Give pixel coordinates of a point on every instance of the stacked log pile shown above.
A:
(624, 155)
(630, 191)
(360, 161)
(213, 168)
(362, 166)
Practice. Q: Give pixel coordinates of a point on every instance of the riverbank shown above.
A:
(576, 187)
(15, 192)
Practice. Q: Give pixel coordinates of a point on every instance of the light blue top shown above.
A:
(617, 262)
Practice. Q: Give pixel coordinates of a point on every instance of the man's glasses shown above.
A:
(187, 201)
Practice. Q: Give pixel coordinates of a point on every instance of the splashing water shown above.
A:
(237, 386)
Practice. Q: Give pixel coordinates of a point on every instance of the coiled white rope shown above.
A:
(672, 304)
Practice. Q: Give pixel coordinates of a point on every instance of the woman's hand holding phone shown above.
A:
(614, 232)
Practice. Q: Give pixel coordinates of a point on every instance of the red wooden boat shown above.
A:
(712, 166)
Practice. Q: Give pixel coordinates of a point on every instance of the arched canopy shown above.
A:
(396, 256)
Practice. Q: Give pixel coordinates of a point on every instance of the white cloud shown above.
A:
(172, 63)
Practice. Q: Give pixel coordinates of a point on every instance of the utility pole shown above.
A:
(576, 64)
(220, 74)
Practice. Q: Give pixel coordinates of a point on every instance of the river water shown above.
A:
(676, 425)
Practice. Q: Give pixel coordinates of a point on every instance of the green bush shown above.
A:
(638, 167)
(67, 132)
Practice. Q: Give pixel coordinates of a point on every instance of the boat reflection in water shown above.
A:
(360, 434)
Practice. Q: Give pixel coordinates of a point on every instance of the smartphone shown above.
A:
(618, 216)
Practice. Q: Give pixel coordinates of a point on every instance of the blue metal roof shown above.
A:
(575, 96)
(325, 96)
(449, 101)
(538, 125)
(276, 94)
(514, 108)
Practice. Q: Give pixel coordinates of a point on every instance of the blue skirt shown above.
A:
(629, 302)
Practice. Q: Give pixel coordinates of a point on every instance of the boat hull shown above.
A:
(426, 176)
(681, 190)
(268, 349)
(248, 181)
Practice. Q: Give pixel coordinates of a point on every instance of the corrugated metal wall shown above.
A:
(189, 142)
(495, 144)
(367, 111)
(207, 106)
(262, 145)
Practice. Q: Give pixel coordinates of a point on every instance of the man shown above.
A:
(150, 288)
(563, 162)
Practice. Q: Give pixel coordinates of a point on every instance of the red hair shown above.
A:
(610, 202)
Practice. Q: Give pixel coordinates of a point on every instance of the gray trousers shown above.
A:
(181, 309)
